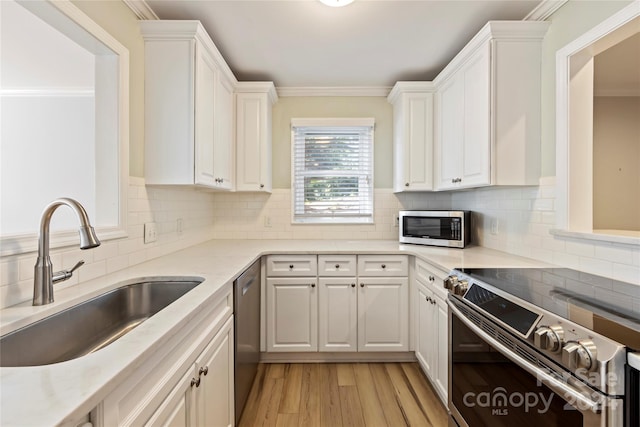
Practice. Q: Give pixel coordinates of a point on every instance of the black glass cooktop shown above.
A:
(607, 306)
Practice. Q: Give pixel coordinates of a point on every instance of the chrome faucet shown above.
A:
(44, 277)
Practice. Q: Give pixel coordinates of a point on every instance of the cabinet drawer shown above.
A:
(431, 276)
(337, 265)
(292, 265)
(383, 265)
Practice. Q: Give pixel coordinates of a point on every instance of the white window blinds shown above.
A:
(332, 171)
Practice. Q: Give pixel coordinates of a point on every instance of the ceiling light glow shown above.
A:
(336, 3)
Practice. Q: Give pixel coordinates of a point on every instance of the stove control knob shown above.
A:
(450, 282)
(461, 287)
(549, 338)
(580, 355)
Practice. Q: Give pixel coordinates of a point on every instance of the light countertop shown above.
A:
(53, 394)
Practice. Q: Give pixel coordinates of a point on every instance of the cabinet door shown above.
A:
(476, 156)
(413, 142)
(253, 142)
(215, 369)
(442, 348)
(292, 314)
(337, 314)
(383, 314)
(223, 146)
(205, 82)
(425, 331)
(450, 132)
(176, 410)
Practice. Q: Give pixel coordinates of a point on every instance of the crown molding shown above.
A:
(142, 10)
(544, 10)
(334, 91)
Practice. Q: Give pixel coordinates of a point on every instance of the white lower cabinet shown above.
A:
(432, 327)
(367, 310)
(292, 314)
(383, 314)
(204, 394)
(186, 382)
(338, 314)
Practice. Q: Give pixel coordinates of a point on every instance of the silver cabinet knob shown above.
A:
(362, 285)
(204, 370)
(383, 266)
(337, 265)
(406, 184)
(290, 266)
(195, 382)
(353, 285)
(313, 285)
(261, 185)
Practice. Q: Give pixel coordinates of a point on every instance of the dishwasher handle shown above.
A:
(246, 286)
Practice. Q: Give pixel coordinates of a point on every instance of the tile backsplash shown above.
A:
(516, 220)
(164, 206)
(264, 216)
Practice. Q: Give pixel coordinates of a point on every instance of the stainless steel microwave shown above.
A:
(435, 228)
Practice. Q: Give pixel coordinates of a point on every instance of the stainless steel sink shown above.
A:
(91, 325)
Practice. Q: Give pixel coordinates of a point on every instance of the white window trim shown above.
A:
(573, 205)
(52, 11)
(326, 121)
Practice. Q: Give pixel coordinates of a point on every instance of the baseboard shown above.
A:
(337, 357)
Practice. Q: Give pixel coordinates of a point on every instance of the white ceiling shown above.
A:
(369, 43)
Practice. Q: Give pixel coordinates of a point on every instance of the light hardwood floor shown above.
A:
(342, 394)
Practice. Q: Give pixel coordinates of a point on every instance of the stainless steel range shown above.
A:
(542, 347)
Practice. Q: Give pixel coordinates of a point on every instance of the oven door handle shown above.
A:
(556, 385)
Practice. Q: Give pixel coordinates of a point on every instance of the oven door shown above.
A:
(491, 385)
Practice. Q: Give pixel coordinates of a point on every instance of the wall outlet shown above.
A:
(494, 226)
(267, 221)
(150, 232)
(396, 220)
(179, 226)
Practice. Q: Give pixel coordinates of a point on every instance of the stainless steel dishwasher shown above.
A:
(246, 309)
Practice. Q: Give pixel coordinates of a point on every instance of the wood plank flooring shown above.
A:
(342, 395)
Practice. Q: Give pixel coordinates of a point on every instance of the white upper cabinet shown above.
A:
(188, 107)
(412, 136)
(488, 109)
(253, 135)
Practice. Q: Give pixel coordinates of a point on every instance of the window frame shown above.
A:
(112, 71)
(332, 123)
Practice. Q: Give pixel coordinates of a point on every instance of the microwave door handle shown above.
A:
(557, 386)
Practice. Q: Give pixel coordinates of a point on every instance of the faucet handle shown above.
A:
(77, 266)
(61, 276)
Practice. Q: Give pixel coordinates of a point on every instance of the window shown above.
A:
(332, 170)
(64, 112)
